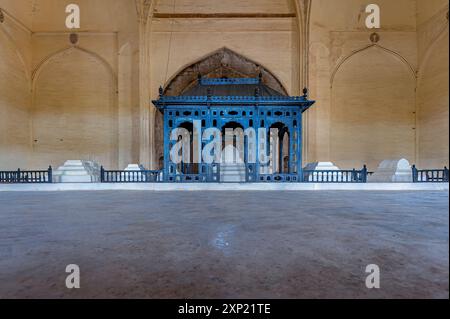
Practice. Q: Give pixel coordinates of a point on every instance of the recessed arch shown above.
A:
(432, 104)
(47, 60)
(369, 47)
(372, 111)
(223, 62)
(15, 102)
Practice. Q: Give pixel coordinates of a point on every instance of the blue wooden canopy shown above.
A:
(236, 102)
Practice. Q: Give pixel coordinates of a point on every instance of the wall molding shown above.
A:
(15, 21)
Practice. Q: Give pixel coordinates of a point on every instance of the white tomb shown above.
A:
(232, 168)
(77, 171)
(392, 171)
(323, 166)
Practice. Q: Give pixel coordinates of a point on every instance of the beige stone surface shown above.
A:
(386, 101)
(15, 103)
(368, 109)
(228, 6)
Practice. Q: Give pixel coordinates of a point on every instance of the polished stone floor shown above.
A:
(224, 244)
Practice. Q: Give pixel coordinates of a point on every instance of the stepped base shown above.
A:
(232, 173)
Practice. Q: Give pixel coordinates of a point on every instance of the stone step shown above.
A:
(233, 171)
(232, 178)
(222, 176)
(229, 167)
(230, 173)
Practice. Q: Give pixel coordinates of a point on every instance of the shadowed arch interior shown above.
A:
(222, 63)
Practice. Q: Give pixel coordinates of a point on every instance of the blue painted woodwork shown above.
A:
(246, 111)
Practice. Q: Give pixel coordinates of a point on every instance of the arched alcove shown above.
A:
(128, 105)
(74, 110)
(15, 102)
(372, 110)
(221, 63)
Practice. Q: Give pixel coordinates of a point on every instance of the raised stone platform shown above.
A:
(204, 187)
(234, 173)
(77, 171)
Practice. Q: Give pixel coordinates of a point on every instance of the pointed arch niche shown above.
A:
(221, 63)
(74, 114)
(372, 109)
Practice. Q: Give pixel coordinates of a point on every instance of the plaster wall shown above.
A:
(375, 100)
(15, 91)
(433, 92)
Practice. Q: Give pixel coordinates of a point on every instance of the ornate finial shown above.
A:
(305, 92)
(257, 92)
(161, 91)
(260, 76)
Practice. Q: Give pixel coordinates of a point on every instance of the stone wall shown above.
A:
(375, 99)
(365, 89)
(74, 110)
(15, 91)
(79, 100)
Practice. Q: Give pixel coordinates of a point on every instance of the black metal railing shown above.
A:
(141, 176)
(430, 175)
(26, 177)
(339, 176)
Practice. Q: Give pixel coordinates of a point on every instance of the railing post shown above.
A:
(102, 175)
(414, 174)
(446, 173)
(364, 174)
(18, 179)
(50, 174)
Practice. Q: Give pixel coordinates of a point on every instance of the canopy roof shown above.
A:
(231, 87)
(231, 92)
